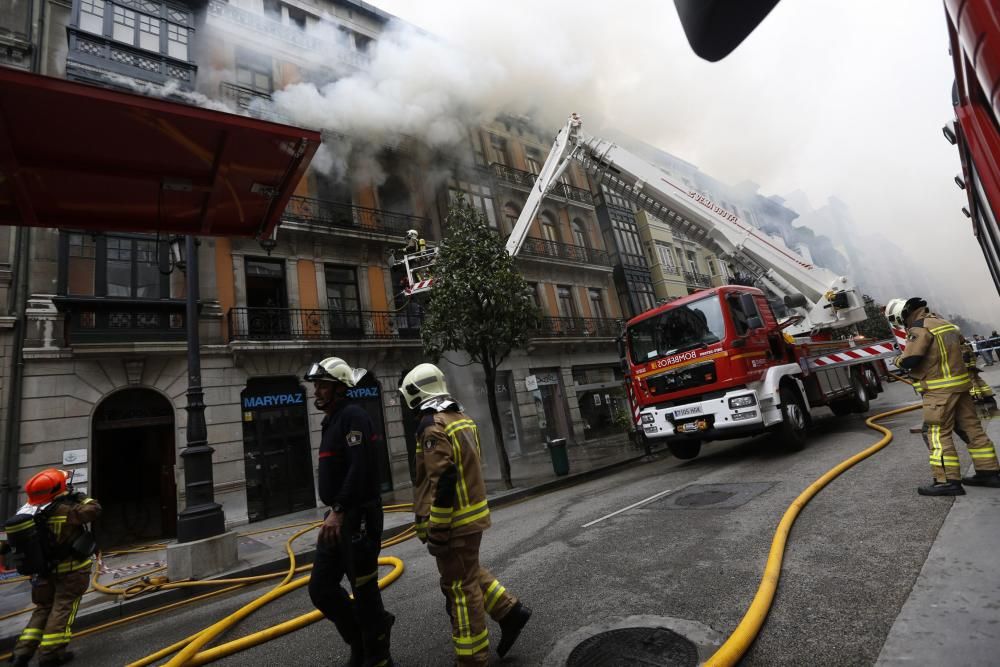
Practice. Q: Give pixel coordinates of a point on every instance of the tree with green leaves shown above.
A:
(479, 304)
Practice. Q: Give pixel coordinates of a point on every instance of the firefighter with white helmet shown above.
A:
(51, 543)
(449, 502)
(933, 358)
(351, 535)
(414, 243)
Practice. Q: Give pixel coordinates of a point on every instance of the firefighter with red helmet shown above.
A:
(55, 519)
(933, 358)
(449, 501)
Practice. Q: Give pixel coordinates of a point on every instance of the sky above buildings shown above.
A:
(832, 97)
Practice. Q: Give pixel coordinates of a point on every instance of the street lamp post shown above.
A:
(201, 517)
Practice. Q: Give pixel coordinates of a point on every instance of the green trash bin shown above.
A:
(560, 461)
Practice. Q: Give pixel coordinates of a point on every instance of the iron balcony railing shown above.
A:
(266, 324)
(525, 179)
(117, 320)
(598, 327)
(240, 97)
(536, 247)
(349, 216)
(697, 279)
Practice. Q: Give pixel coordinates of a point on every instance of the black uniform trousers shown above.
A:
(355, 556)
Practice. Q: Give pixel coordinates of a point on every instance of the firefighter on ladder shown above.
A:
(57, 590)
(933, 358)
(451, 515)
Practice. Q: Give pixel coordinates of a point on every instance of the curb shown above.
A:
(113, 610)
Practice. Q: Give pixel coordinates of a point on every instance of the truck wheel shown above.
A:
(792, 430)
(842, 407)
(860, 402)
(686, 449)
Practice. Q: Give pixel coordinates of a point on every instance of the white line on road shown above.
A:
(625, 509)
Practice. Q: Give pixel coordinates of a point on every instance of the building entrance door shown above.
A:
(276, 451)
(134, 453)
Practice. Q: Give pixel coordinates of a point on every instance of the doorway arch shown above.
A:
(134, 453)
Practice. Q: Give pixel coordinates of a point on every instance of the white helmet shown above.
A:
(894, 312)
(412, 234)
(424, 383)
(335, 369)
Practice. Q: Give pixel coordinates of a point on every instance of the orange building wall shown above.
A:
(550, 296)
(308, 294)
(224, 281)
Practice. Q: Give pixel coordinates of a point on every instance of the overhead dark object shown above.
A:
(715, 27)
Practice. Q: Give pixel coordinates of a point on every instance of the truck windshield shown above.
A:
(694, 325)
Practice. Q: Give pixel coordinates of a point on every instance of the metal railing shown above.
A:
(248, 323)
(536, 247)
(697, 279)
(241, 97)
(349, 216)
(604, 327)
(526, 179)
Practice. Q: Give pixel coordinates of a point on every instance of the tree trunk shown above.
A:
(491, 394)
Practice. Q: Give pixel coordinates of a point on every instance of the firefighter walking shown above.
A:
(351, 535)
(63, 555)
(451, 515)
(933, 358)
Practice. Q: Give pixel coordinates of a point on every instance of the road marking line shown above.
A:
(625, 509)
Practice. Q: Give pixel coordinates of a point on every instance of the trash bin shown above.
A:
(560, 461)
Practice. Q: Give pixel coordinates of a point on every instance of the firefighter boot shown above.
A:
(511, 626)
(949, 488)
(20, 660)
(991, 479)
(55, 660)
(377, 645)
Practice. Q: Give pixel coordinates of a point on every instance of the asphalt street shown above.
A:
(693, 556)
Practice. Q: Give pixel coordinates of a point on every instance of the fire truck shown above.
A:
(719, 363)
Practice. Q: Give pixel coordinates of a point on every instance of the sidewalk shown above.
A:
(952, 616)
(262, 544)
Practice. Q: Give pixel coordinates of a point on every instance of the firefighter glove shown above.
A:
(437, 543)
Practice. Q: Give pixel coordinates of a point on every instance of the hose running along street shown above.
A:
(753, 620)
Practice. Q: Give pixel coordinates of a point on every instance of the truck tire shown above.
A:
(792, 429)
(685, 449)
(860, 402)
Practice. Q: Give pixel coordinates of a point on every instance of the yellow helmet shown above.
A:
(423, 383)
(335, 369)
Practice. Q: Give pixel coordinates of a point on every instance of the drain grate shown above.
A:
(711, 496)
(626, 647)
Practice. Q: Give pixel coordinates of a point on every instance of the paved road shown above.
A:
(852, 559)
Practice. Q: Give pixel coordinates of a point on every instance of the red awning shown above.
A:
(84, 157)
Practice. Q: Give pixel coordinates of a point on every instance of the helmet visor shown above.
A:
(318, 374)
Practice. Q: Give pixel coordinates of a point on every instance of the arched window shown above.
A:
(510, 214)
(550, 231)
(579, 234)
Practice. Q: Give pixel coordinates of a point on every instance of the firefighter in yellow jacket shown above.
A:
(933, 358)
(981, 392)
(451, 515)
(64, 577)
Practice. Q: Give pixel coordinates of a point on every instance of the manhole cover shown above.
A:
(704, 498)
(634, 646)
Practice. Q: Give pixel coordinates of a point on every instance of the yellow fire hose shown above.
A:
(746, 632)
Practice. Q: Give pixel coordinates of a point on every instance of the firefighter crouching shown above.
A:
(351, 535)
(933, 358)
(49, 540)
(451, 514)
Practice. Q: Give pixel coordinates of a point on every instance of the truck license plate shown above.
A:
(687, 412)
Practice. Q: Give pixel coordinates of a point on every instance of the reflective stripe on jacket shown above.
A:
(938, 345)
(445, 439)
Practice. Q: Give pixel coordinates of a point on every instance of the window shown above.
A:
(177, 42)
(296, 17)
(479, 196)
(564, 296)
(742, 311)
(81, 265)
(511, 213)
(149, 33)
(666, 255)
(132, 268)
(711, 266)
(476, 140)
(254, 71)
(533, 157)
(123, 28)
(342, 297)
(596, 303)
(92, 16)
(579, 235)
(550, 232)
(499, 145)
(272, 9)
(692, 262)
(362, 42)
(533, 295)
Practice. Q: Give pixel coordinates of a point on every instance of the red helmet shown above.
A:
(46, 486)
